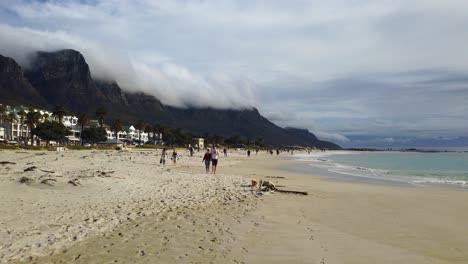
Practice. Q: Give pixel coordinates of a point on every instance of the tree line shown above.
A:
(54, 130)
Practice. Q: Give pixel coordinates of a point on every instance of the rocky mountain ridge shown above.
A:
(63, 77)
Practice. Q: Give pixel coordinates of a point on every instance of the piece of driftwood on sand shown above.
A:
(7, 162)
(271, 177)
(292, 192)
(268, 185)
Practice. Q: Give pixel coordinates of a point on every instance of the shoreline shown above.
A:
(317, 164)
(338, 222)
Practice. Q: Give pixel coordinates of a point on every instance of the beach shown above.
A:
(123, 206)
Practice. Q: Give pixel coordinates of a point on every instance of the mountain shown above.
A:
(14, 87)
(63, 77)
(306, 135)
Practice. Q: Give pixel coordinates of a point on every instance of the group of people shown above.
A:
(211, 157)
(165, 157)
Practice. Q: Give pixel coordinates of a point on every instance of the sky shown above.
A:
(361, 73)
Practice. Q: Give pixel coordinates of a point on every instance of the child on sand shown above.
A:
(207, 160)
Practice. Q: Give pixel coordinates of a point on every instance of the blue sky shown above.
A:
(360, 73)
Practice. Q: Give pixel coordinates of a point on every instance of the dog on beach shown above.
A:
(269, 186)
(263, 185)
(254, 184)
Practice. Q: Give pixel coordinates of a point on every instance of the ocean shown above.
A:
(441, 168)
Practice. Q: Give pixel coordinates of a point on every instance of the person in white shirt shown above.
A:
(163, 157)
(214, 159)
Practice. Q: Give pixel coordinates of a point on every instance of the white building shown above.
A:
(17, 131)
(131, 134)
(14, 131)
(72, 123)
(2, 133)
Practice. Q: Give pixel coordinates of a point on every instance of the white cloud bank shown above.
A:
(173, 84)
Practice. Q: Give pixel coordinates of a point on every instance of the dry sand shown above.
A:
(127, 208)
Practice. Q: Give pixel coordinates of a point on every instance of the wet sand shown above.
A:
(128, 208)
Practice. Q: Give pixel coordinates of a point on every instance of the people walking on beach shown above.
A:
(214, 159)
(163, 157)
(277, 151)
(225, 152)
(256, 151)
(248, 153)
(174, 156)
(207, 160)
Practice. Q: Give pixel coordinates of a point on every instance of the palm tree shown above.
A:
(32, 118)
(140, 125)
(10, 118)
(100, 113)
(83, 121)
(147, 130)
(22, 115)
(169, 135)
(155, 129)
(2, 110)
(116, 127)
(59, 112)
(45, 116)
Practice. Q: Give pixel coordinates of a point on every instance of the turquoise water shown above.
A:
(411, 167)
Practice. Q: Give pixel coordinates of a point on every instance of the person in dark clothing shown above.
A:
(207, 160)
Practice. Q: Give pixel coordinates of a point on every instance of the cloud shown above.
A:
(171, 83)
(335, 137)
(392, 69)
(389, 140)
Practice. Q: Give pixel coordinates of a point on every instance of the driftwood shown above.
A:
(49, 181)
(271, 177)
(74, 182)
(269, 186)
(275, 177)
(293, 192)
(6, 162)
(30, 168)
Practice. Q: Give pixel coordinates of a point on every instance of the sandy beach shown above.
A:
(123, 206)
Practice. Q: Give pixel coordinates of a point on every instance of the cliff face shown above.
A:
(14, 87)
(63, 77)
